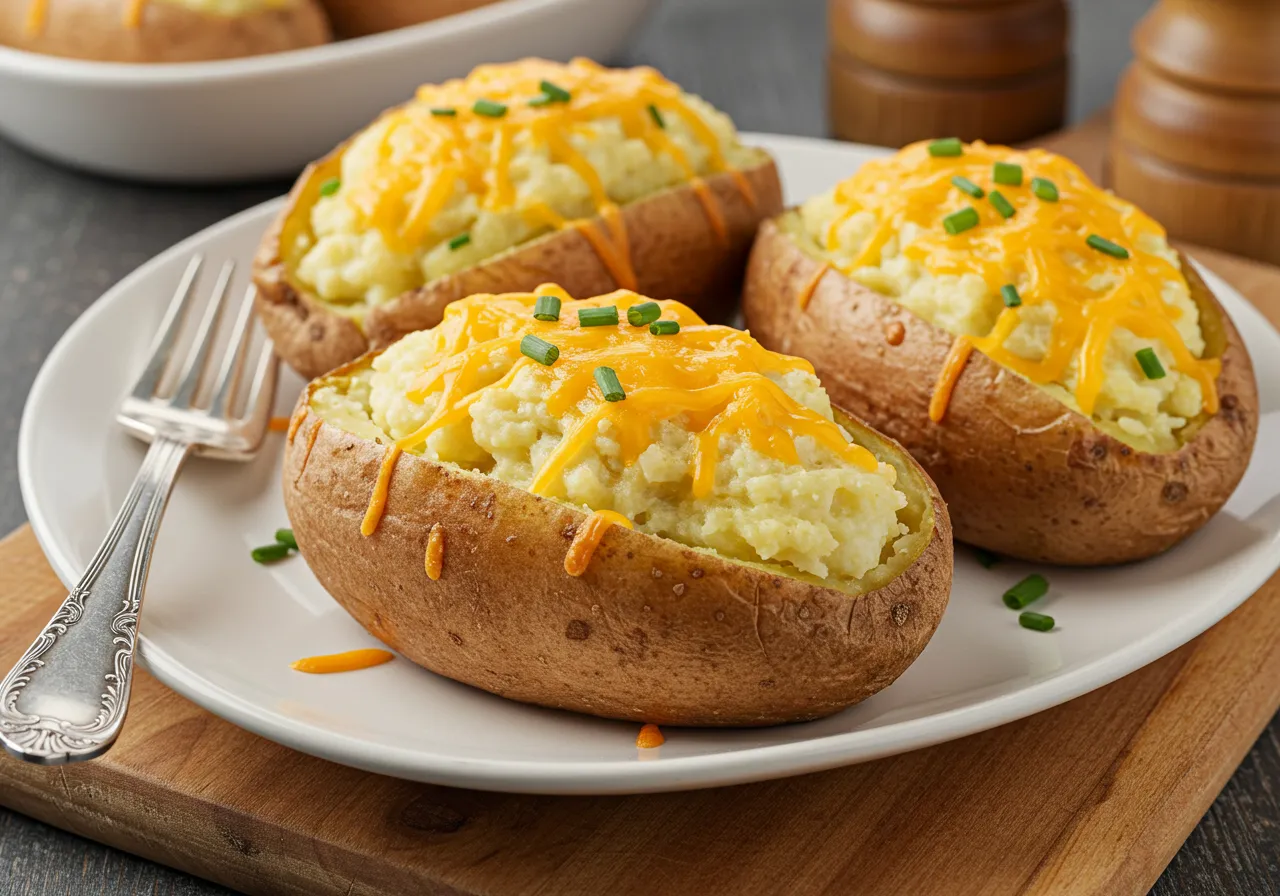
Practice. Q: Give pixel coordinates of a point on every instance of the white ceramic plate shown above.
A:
(269, 115)
(222, 630)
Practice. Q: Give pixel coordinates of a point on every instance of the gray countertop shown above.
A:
(65, 237)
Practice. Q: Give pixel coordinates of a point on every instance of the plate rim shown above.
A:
(612, 776)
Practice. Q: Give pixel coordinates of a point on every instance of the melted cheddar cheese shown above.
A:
(718, 443)
(1083, 313)
(438, 170)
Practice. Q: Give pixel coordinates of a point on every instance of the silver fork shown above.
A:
(65, 700)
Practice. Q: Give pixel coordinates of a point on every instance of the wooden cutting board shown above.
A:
(1093, 797)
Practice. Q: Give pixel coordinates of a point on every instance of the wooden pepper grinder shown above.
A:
(904, 70)
(1196, 137)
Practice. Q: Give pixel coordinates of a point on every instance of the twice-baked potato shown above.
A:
(1067, 379)
(608, 506)
(161, 30)
(355, 18)
(520, 174)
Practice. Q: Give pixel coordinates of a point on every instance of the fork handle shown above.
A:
(65, 700)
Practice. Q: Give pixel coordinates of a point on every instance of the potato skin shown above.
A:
(675, 253)
(1023, 475)
(652, 632)
(95, 29)
(355, 18)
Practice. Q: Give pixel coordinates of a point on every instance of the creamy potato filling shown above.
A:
(817, 514)
(404, 211)
(910, 263)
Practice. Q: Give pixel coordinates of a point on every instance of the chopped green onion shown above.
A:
(1026, 592)
(285, 537)
(1007, 173)
(598, 317)
(541, 100)
(1003, 206)
(1036, 621)
(643, 314)
(554, 91)
(656, 116)
(947, 146)
(539, 349)
(986, 558)
(1106, 247)
(489, 108)
(1009, 293)
(546, 308)
(609, 385)
(331, 186)
(444, 112)
(967, 186)
(1045, 189)
(1150, 364)
(664, 327)
(459, 241)
(270, 553)
(959, 222)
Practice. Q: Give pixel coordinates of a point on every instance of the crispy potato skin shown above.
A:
(1023, 475)
(675, 253)
(652, 632)
(95, 29)
(354, 18)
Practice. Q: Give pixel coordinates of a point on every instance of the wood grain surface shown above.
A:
(65, 237)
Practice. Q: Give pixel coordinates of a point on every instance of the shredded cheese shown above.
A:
(433, 562)
(587, 539)
(957, 357)
(810, 285)
(715, 376)
(348, 661)
(1042, 248)
(650, 736)
(378, 500)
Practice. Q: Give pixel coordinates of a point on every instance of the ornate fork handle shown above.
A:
(65, 700)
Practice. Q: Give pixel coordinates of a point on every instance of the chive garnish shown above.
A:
(598, 317)
(1045, 189)
(1003, 206)
(285, 537)
(444, 112)
(967, 186)
(270, 553)
(459, 241)
(609, 385)
(1026, 592)
(539, 349)
(546, 308)
(1009, 293)
(554, 92)
(541, 100)
(1106, 247)
(959, 222)
(643, 314)
(331, 186)
(489, 108)
(664, 327)
(1007, 173)
(1150, 363)
(947, 146)
(1036, 621)
(985, 557)
(656, 116)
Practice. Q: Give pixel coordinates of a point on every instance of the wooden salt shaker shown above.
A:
(905, 70)
(1196, 136)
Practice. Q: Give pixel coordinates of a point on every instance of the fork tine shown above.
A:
(262, 392)
(162, 347)
(193, 369)
(233, 358)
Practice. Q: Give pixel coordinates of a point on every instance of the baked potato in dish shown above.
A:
(355, 18)
(1066, 377)
(520, 174)
(161, 30)
(644, 524)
